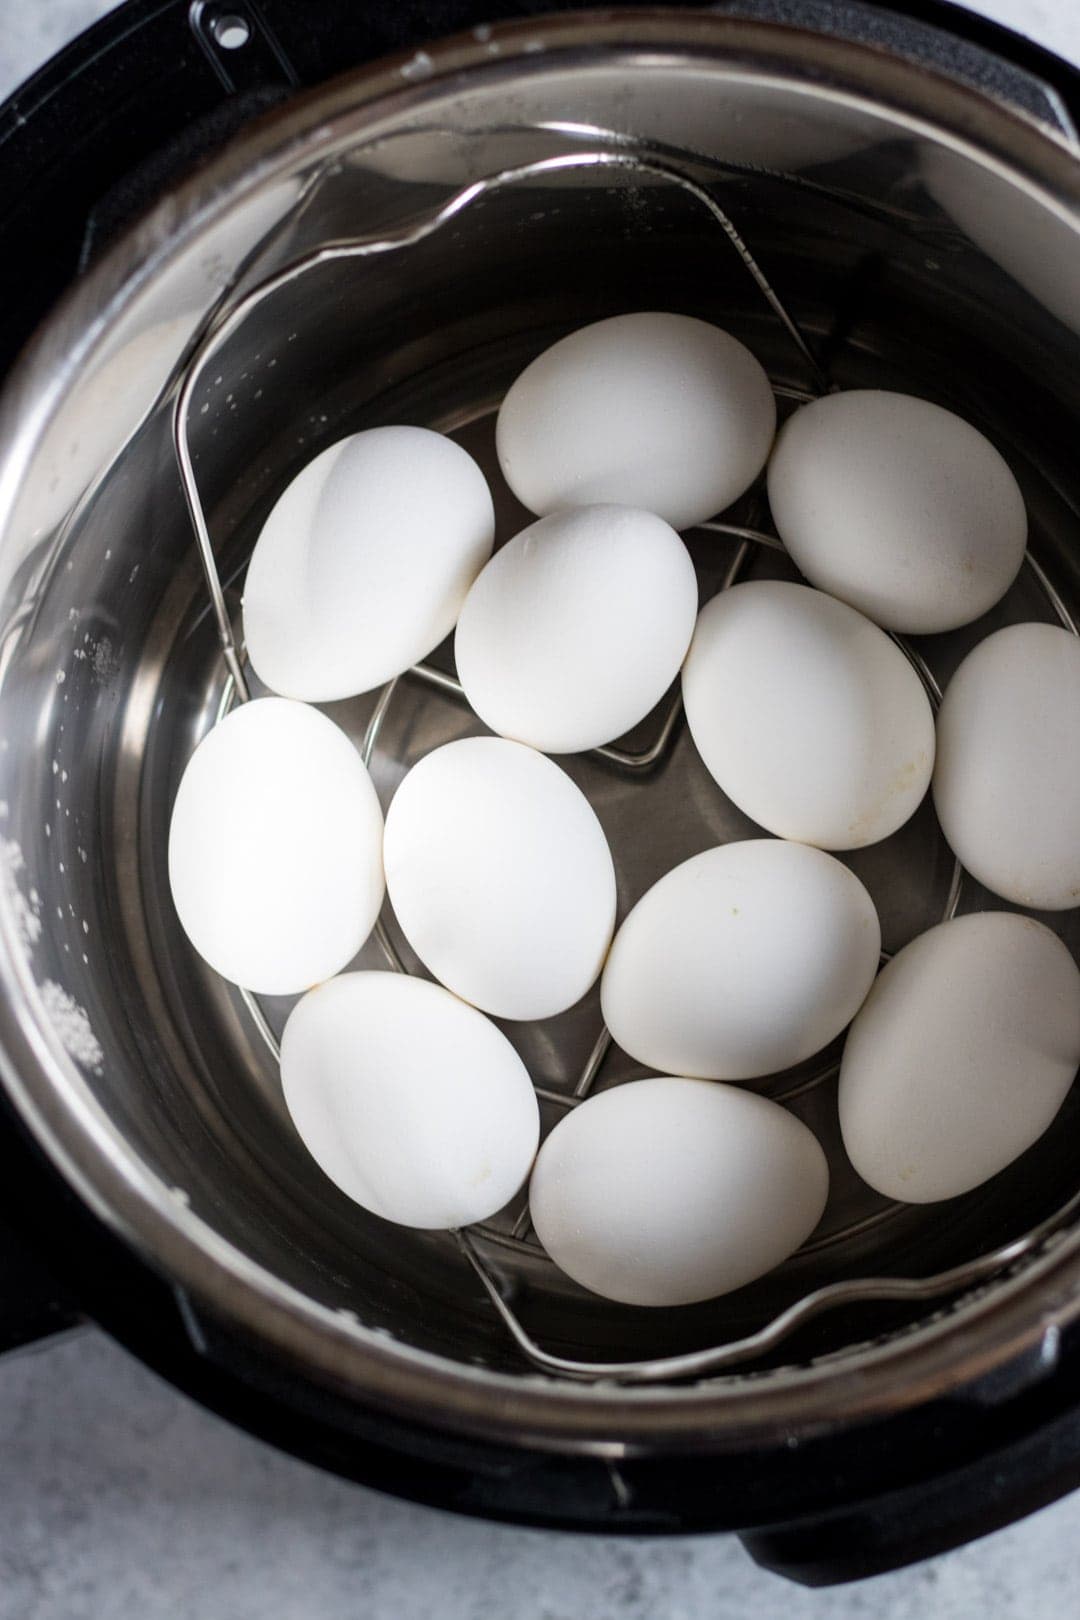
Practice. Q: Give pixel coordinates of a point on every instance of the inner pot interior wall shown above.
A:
(113, 672)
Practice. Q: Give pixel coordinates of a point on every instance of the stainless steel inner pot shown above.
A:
(923, 238)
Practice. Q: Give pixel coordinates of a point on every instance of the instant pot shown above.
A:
(235, 232)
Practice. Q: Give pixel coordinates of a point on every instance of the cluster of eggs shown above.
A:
(741, 961)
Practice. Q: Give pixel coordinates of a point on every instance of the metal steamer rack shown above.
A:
(609, 152)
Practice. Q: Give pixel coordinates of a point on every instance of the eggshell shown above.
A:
(961, 1056)
(275, 848)
(667, 1191)
(1007, 781)
(741, 961)
(807, 715)
(659, 411)
(364, 562)
(500, 876)
(577, 627)
(898, 507)
(414, 1104)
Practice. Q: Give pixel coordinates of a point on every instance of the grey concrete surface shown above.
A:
(121, 1500)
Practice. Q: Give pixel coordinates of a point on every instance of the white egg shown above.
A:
(1007, 781)
(658, 411)
(667, 1191)
(961, 1056)
(414, 1104)
(364, 562)
(807, 715)
(741, 961)
(577, 627)
(500, 877)
(275, 848)
(898, 507)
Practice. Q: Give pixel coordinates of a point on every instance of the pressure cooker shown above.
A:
(236, 231)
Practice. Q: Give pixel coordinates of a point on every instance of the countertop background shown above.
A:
(121, 1500)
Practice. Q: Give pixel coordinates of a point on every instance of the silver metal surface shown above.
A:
(143, 1077)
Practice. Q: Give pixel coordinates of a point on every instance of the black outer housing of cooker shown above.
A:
(86, 146)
